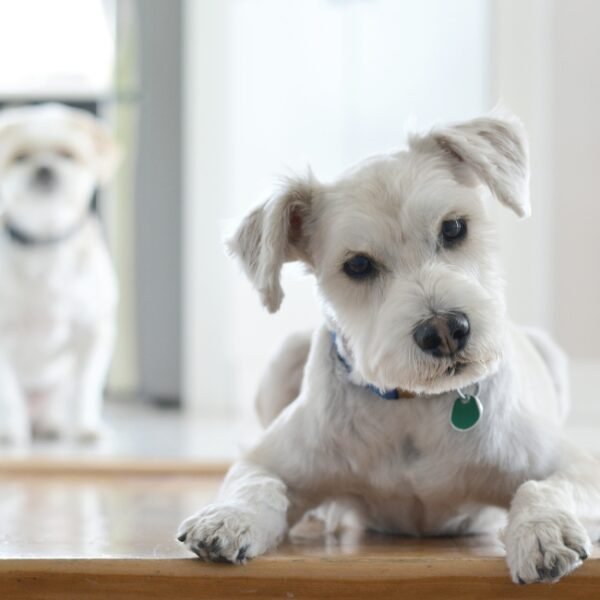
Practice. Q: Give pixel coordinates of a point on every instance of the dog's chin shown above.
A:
(458, 376)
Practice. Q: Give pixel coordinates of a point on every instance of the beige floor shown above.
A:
(134, 430)
(136, 516)
(120, 515)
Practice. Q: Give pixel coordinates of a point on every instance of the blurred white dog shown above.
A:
(421, 405)
(58, 290)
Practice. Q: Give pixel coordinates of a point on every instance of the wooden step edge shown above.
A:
(292, 578)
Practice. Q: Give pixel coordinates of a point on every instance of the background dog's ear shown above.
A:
(494, 149)
(10, 121)
(272, 234)
(107, 152)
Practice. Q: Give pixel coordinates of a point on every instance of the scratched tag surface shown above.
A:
(466, 413)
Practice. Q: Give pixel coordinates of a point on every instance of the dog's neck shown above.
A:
(342, 356)
(23, 238)
(344, 359)
(466, 409)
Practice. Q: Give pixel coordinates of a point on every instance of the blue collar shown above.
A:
(466, 412)
(393, 394)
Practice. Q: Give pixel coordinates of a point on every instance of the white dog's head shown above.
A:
(403, 251)
(52, 157)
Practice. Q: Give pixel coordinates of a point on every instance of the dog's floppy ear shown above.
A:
(107, 151)
(10, 121)
(494, 149)
(272, 234)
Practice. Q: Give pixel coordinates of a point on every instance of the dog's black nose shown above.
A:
(443, 335)
(44, 175)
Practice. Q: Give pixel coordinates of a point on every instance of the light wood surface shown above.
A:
(98, 537)
(111, 465)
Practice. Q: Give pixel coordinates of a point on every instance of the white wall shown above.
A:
(576, 181)
(576, 236)
(207, 377)
(547, 69)
(522, 78)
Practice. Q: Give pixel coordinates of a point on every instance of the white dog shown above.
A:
(420, 404)
(58, 290)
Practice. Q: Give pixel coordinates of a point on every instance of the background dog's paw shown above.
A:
(545, 547)
(47, 430)
(15, 436)
(221, 533)
(87, 433)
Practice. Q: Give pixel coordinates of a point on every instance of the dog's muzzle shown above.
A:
(44, 177)
(443, 335)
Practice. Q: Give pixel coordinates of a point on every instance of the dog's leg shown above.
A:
(270, 489)
(281, 382)
(557, 362)
(249, 518)
(14, 424)
(50, 411)
(281, 478)
(550, 521)
(94, 347)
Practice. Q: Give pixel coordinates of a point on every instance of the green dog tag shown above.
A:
(466, 412)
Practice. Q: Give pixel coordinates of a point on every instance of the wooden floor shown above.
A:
(105, 535)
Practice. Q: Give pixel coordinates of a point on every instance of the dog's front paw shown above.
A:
(544, 547)
(222, 533)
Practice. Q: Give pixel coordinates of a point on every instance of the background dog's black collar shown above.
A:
(23, 238)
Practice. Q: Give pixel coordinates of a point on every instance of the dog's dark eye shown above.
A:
(453, 231)
(66, 154)
(21, 157)
(359, 267)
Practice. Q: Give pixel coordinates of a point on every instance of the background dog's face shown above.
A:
(403, 251)
(51, 159)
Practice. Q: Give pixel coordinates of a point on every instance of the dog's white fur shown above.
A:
(58, 299)
(400, 463)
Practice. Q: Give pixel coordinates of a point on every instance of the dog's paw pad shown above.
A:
(545, 548)
(241, 555)
(219, 533)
